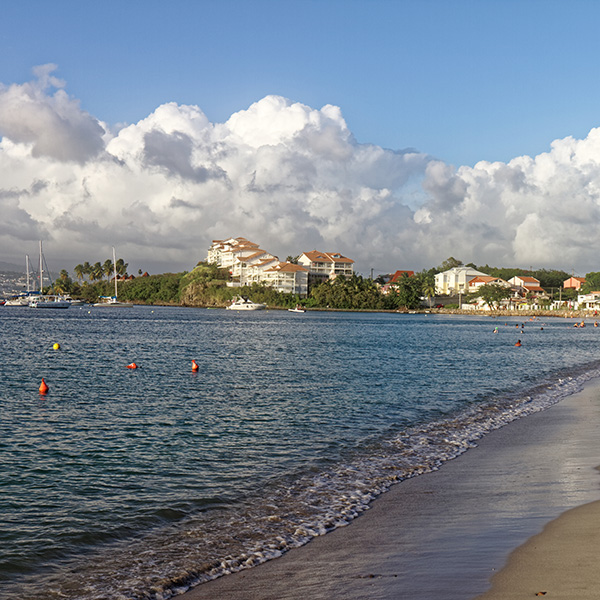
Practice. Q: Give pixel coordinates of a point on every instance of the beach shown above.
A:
(446, 534)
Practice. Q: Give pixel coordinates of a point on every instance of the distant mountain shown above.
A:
(11, 268)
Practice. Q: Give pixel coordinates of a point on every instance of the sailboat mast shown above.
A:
(27, 267)
(115, 267)
(41, 270)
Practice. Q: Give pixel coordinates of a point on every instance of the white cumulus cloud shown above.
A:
(283, 174)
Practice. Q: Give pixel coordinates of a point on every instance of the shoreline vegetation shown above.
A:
(208, 286)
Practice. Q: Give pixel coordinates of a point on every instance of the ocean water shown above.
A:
(139, 484)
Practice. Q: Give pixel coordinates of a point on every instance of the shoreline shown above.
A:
(560, 562)
(444, 534)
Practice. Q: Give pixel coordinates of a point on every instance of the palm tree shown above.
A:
(107, 267)
(79, 271)
(428, 290)
(121, 267)
(86, 268)
(96, 272)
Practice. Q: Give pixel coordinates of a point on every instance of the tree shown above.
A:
(408, 291)
(493, 294)
(79, 272)
(428, 286)
(292, 259)
(592, 282)
(96, 272)
(107, 268)
(121, 267)
(449, 263)
(86, 268)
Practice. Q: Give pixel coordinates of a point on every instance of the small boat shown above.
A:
(112, 301)
(49, 301)
(241, 303)
(297, 309)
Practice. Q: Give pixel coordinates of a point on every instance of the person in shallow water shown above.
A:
(518, 343)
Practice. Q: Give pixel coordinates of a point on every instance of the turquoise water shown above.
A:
(141, 483)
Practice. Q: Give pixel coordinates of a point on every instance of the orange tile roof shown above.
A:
(286, 267)
(317, 256)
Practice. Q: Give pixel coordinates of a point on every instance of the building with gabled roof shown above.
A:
(456, 280)
(573, 283)
(326, 265)
(247, 263)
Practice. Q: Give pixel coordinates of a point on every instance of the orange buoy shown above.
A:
(132, 366)
(195, 366)
(44, 387)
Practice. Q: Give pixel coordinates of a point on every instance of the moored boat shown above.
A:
(241, 303)
(112, 301)
(297, 309)
(49, 301)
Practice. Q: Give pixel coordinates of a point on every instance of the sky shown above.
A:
(396, 132)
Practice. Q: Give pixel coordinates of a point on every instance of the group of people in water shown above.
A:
(522, 326)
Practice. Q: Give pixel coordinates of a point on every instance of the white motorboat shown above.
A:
(49, 301)
(297, 309)
(241, 303)
(111, 301)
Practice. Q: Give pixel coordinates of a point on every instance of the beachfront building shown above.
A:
(589, 301)
(480, 280)
(287, 277)
(456, 280)
(326, 265)
(395, 280)
(247, 263)
(573, 283)
(526, 286)
(237, 255)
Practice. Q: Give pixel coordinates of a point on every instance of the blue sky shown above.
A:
(460, 80)
(156, 127)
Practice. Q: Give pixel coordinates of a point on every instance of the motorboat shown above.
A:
(111, 301)
(49, 301)
(241, 303)
(297, 309)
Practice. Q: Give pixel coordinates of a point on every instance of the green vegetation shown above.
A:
(206, 285)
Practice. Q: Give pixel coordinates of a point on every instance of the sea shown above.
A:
(140, 484)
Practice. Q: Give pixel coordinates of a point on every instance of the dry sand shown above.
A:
(444, 534)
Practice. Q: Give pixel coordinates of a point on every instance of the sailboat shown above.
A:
(113, 301)
(23, 298)
(46, 300)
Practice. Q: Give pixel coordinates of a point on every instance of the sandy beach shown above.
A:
(447, 533)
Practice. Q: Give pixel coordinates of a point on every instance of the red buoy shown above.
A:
(44, 387)
(195, 366)
(132, 366)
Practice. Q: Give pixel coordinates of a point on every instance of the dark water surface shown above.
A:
(139, 483)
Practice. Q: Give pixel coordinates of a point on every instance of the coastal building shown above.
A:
(525, 285)
(480, 280)
(589, 301)
(394, 280)
(247, 263)
(326, 265)
(287, 277)
(456, 280)
(573, 283)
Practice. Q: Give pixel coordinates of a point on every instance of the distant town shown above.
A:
(243, 265)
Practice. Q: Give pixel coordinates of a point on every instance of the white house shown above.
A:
(456, 280)
(247, 263)
(326, 264)
(477, 282)
(287, 277)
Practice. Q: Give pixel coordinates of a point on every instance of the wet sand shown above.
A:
(445, 534)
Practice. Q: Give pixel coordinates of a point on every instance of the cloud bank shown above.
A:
(285, 175)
